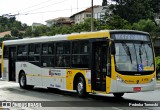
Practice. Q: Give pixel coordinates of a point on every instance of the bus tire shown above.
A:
(81, 87)
(23, 82)
(118, 95)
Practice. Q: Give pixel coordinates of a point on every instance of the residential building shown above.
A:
(50, 22)
(2, 34)
(59, 21)
(99, 12)
(35, 25)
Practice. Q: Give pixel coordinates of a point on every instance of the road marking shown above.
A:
(117, 108)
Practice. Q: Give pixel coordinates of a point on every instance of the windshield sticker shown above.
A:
(140, 67)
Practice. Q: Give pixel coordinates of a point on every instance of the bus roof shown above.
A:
(73, 36)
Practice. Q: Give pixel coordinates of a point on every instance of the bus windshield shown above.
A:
(135, 57)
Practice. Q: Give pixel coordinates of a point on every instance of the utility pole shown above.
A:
(92, 24)
(77, 6)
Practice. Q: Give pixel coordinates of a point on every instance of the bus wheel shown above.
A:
(118, 95)
(81, 88)
(22, 81)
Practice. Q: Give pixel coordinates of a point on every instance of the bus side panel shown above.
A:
(5, 69)
(33, 73)
(71, 75)
(54, 78)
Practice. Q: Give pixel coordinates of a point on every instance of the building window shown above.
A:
(88, 15)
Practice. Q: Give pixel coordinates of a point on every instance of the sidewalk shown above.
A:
(158, 81)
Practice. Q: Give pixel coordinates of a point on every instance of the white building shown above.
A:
(59, 21)
(35, 25)
(50, 22)
(98, 11)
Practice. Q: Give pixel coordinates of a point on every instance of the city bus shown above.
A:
(102, 62)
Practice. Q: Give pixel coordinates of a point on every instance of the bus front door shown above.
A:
(12, 59)
(99, 69)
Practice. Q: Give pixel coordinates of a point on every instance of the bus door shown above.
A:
(99, 68)
(12, 60)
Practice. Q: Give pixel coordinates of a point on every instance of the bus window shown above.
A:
(34, 49)
(22, 50)
(34, 54)
(48, 55)
(63, 54)
(63, 48)
(22, 53)
(80, 47)
(47, 49)
(80, 54)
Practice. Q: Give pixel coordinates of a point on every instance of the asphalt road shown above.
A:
(64, 100)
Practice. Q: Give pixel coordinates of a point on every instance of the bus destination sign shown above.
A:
(131, 37)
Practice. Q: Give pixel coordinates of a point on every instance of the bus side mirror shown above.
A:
(113, 51)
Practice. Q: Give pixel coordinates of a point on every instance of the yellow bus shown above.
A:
(108, 62)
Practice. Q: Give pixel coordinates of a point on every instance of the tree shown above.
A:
(28, 32)
(145, 25)
(104, 3)
(7, 36)
(15, 32)
(115, 22)
(134, 10)
(157, 62)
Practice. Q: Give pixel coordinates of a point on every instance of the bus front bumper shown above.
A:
(121, 87)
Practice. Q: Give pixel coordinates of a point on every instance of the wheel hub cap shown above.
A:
(80, 87)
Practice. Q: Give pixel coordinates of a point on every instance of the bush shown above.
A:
(158, 63)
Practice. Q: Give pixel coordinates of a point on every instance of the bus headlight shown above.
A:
(120, 79)
(153, 78)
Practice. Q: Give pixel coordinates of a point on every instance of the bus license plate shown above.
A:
(137, 89)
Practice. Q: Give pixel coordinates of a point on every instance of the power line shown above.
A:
(33, 6)
(46, 6)
(50, 11)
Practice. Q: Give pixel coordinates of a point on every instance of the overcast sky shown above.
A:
(41, 10)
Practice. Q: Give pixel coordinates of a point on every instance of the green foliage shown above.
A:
(7, 36)
(15, 32)
(28, 32)
(116, 22)
(10, 24)
(135, 10)
(145, 25)
(158, 62)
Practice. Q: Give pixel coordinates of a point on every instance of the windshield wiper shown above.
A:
(140, 52)
(127, 50)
